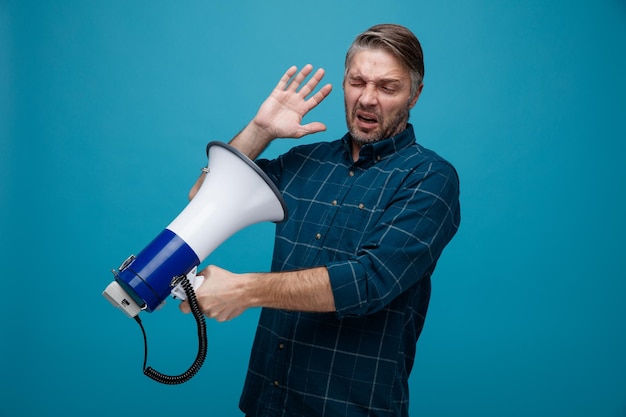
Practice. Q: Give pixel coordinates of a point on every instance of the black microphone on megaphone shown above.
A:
(234, 194)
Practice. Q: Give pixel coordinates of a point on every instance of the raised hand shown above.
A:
(280, 116)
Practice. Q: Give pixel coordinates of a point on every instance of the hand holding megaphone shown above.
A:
(220, 296)
(195, 280)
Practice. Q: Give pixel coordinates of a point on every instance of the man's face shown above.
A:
(377, 96)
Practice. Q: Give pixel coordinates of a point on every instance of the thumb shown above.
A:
(313, 127)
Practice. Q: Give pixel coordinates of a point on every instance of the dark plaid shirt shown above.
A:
(379, 225)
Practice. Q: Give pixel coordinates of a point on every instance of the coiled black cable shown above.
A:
(202, 342)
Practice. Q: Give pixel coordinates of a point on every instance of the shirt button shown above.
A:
(281, 346)
(361, 206)
(318, 236)
(276, 384)
(334, 203)
(378, 158)
(351, 173)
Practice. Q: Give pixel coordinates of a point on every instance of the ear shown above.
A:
(417, 95)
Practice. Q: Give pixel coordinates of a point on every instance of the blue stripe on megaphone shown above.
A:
(150, 274)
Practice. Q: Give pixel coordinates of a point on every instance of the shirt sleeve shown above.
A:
(270, 167)
(403, 246)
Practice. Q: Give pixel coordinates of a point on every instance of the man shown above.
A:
(370, 215)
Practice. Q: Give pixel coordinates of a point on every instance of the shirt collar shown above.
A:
(377, 151)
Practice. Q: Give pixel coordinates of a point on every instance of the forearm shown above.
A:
(224, 295)
(252, 140)
(303, 290)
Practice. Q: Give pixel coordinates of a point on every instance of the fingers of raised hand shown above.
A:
(284, 80)
(300, 77)
(318, 97)
(291, 81)
(312, 83)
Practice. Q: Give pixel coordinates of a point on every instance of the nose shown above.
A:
(369, 95)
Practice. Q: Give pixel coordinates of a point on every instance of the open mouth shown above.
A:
(367, 118)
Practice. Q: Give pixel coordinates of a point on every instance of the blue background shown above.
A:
(105, 111)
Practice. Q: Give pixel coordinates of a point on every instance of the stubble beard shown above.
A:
(386, 129)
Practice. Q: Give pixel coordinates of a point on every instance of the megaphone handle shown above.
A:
(178, 292)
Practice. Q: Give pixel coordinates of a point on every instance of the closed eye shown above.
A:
(389, 87)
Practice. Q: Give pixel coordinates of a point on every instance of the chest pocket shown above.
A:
(348, 230)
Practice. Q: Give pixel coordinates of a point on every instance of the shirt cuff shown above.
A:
(348, 283)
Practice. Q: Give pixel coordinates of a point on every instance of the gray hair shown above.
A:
(399, 42)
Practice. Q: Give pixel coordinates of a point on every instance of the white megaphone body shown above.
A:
(235, 194)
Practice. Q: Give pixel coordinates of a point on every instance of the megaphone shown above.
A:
(234, 194)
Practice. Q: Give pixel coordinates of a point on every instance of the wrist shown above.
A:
(252, 140)
(252, 288)
(260, 133)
